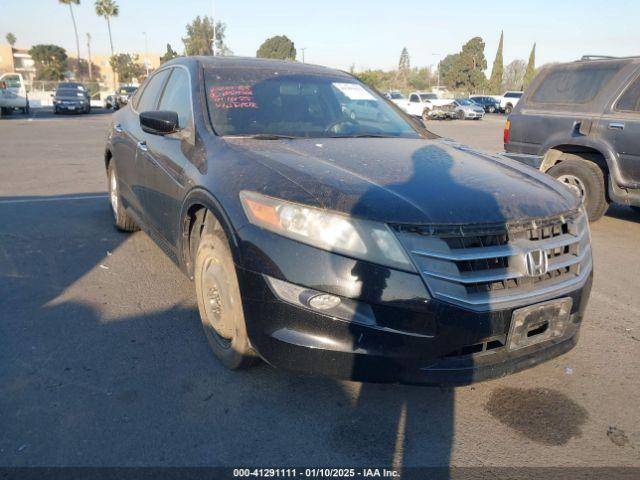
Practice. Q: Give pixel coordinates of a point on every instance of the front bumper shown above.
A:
(76, 107)
(402, 335)
(473, 115)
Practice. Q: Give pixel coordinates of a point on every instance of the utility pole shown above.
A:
(303, 49)
(89, 59)
(213, 19)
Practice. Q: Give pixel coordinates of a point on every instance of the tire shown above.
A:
(508, 109)
(635, 209)
(461, 115)
(219, 300)
(121, 218)
(425, 114)
(591, 185)
(492, 109)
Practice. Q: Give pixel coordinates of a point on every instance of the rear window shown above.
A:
(575, 84)
(630, 100)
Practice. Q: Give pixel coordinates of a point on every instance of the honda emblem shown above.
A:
(537, 263)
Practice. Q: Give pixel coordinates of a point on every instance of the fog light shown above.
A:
(324, 301)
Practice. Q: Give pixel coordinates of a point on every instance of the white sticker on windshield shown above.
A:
(353, 91)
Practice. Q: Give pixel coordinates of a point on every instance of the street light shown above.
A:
(439, 61)
(302, 50)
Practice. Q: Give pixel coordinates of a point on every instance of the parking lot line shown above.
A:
(53, 199)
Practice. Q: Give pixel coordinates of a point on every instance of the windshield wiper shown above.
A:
(365, 135)
(264, 136)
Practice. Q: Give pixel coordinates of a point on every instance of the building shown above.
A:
(17, 60)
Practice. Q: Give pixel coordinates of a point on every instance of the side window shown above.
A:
(414, 99)
(176, 97)
(630, 100)
(151, 92)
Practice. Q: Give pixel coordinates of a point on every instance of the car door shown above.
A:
(132, 168)
(623, 129)
(163, 158)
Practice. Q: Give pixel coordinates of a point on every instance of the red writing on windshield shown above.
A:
(232, 96)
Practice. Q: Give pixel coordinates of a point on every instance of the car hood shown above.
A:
(400, 180)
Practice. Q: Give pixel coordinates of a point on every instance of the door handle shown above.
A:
(142, 145)
(118, 128)
(616, 126)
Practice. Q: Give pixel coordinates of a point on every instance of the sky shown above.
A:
(341, 33)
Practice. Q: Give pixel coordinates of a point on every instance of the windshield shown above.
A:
(396, 96)
(465, 102)
(428, 96)
(259, 101)
(69, 92)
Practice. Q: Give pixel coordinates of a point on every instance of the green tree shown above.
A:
(127, 66)
(405, 62)
(11, 39)
(465, 70)
(169, 55)
(107, 9)
(531, 67)
(200, 34)
(71, 3)
(279, 47)
(495, 83)
(50, 61)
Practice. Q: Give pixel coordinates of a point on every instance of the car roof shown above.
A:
(257, 63)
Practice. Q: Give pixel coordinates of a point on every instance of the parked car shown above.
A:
(420, 104)
(363, 110)
(369, 251)
(396, 97)
(75, 86)
(509, 101)
(123, 96)
(109, 101)
(580, 123)
(489, 104)
(70, 98)
(13, 93)
(468, 110)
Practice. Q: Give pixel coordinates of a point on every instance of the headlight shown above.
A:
(332, 231)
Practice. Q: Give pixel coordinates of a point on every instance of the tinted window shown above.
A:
(414, 99)
(151, 92)
(513, 95)
(176, 96)
(251, 101)
(574, 84)
(630, 100)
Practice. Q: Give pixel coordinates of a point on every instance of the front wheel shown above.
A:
(461, 115)
(121, 218)
(219, 300)
(508, 109)
(425, 114)
(586, 180)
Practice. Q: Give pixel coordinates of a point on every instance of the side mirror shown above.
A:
(159, 122)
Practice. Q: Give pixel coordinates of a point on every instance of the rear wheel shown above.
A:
(492, 109)
(219, 301)
(586, 179)
(508, 109)
(121, 218)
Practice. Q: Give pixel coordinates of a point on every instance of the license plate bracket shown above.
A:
(539, 323)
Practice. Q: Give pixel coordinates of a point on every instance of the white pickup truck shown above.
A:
(13, 93)
(509, 100)
(422, 104)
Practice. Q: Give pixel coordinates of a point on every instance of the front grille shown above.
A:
(484, 267)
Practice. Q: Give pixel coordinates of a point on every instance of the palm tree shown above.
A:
(107, 9)
(75, 27)
(11, 39)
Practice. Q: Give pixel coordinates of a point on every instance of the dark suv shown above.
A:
(580, 123)
(361, 248)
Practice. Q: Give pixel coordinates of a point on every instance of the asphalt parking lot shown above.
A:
(103, 362)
